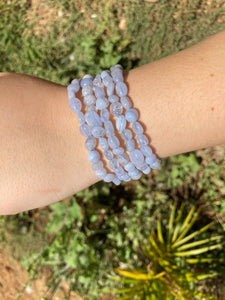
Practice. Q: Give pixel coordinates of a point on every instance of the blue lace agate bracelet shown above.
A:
(108, 89)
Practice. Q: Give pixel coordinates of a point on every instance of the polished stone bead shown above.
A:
(142, 166)
(93, 156)
(130, 145)
(150, 159)
(103, 143)
(99, 92)
(86, 81)
(116, 109)
(146, 150)
(75, 104)
(98, 165)
(126, 134)
(107, 80)
(90, 143)
(98, 131)
(125, 101)
(97, 82)
(116, 181)
(87, 90)
(131, 115)
(135, 176)
(109, 177)
(142, 139)
(73, 88)
(92, 107)
(101, 173)
(105, 73)
(137, 128)
(76, 85)
(117, 75)
(123, 159)
(81, 118)
(102, 103)
(110, 89)
(88, 76)
(113, 98)
(118, 66)
(130, 167)
(92, 118)
(113, 142)
(147, 170)
(71, 94)
(137, 157)
(121, 89)
(126, 177)
(109, 130)
(119, 171)
(85, 130)
(121, 123)
(108, 154)
(155, 164)
(118, 150)
(89, 100)
(104, 115)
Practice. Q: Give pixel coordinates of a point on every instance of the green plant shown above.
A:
(171, 269)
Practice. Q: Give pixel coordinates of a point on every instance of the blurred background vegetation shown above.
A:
(83, 238)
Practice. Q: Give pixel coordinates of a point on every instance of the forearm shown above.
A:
(181, 100)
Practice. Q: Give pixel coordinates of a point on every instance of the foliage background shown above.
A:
(84, 237)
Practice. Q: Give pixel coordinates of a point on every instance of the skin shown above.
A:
(180, 99)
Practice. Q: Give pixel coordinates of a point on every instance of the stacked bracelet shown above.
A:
(127, 162)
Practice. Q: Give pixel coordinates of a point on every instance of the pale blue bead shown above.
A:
(92, 107)
(73, 88)
(110, 89)
(142, 139)
(76, 84)
(116, 109)
(121, 89)
(81, 118)
(137, 176)
(98, 131)
(116, 66)
(98, 165)
(93, 156)
(109, 130)
(113, 98)
(147, 170)
(88, 76)
(85, 130)
(97, 82)
(130, 167)
(102, 103)
(108, 154)
(113, 142)
(137, 157)
(119, 171)
(99, 92)
(104, 115)
(105, 73)
(121, 123)
(137, 128)
(125, 101)
(75, 105)
(86, 81)
(146, 150)
(155, 164)
(101, 173)
(113, 164)
(71, 94)
(90, 143)
(126, 177)
(142, 166)
(117, 76)
(107, 80)
(123, 159)
(109, 177)
(89, 100)
(130, 145)
(116, 181)
(131, 115)
(150, 159)
(118, 150)
(126, 134)
(92, 118)
(103, 143)
(87, 90)
(133, 172)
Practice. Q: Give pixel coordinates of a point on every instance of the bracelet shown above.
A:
(126, 162)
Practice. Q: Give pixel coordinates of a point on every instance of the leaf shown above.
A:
(197, 251)
(203, 260)
(134, 274)
(194, 244)
(159, 231)
(171, 220)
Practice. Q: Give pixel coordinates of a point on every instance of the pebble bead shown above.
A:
(109, 130)
(116, 181)
(107, 80)
(86, 81)
(108, 154)
(81, 118)
(73, 88)
(130, 145)
(92, 107)
(147, 170)
(87, 90)
(126, 177)
(118, 150)
(121, 89)
(98, 165)
(116, 109)
(102, 103)
(93, 156)
(101, 173)
(104, 115)
(131, 115)
(137, 176)
(75, 104)
(137, 157)
(85, 130)
(110, 89)
(109, 177)
(103, 143)
(119, 171)
(105, 73)
(97, 82)
(113, 164)
(92, 118)
(76, 84)
(117, 75)
(137, 128)
(130, 167)
(113, 142)
(88, 76)
(98, 131)
(99, 92)
(125, 101)
(126, 134)
(113, 98)
(142, 139)
(123, 159)
(90, 143)
(89, 100)
(150, 159)
(116, 66)
(146, 150)
(155, 164)
(121, 123)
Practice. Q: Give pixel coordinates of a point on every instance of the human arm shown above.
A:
(181, 100)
